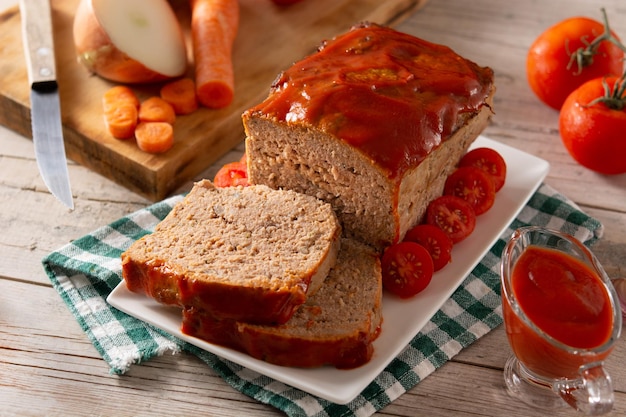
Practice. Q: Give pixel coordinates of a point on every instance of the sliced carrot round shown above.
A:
(154, 137)
(181, 95)
(155, 109)
(118, 94)
(121, 120)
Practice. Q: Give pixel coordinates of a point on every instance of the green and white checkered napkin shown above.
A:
(87, 270)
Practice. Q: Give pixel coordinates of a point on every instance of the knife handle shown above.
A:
(38, 40)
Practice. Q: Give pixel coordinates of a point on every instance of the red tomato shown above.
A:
(453, 215)
(436, 242)
(550, 74)
(233, 173)
(474, 186)
(489, 161)
(407, 269)
(595, 135)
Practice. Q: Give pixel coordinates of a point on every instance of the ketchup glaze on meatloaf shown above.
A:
(372, 123)
(356, 83)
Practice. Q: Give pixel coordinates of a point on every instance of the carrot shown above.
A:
(181, 94)
(121, 120)
(154, 137)
(155, 109)
(119, 104)
(119, 94)
(214, 26)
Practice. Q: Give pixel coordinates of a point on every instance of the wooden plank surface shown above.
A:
(48, 367)
(270, 38)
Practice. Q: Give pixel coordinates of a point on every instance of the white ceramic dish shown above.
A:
(524, 174)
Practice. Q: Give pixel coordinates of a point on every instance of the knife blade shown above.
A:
(44, 98)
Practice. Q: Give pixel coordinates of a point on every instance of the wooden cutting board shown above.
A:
(270, 39)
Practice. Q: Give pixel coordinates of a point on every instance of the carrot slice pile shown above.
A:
(155, 109)
(214, 25)
(154, 137)
(181, 95)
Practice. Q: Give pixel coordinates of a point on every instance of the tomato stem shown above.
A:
(583, 56)
(614, 98)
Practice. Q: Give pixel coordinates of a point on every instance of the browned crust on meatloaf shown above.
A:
(245, 253)
(334, 327)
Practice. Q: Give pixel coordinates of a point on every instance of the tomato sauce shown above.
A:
(355, 84)
(567, 300)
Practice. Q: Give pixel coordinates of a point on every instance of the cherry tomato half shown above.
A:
(595, 135)
(489, 161)
(231, 174)
(436, 242)
(407, 269)
(474, 186)
(548, 68)
(453, 215)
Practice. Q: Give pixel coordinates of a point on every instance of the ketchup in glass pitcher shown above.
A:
(566, 300)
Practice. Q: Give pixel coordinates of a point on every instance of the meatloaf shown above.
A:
(336, 326)
(373, 123)
(244, 253)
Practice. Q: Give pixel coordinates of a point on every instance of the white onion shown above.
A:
(130, 41)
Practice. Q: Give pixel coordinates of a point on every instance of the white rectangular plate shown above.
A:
(524, 175)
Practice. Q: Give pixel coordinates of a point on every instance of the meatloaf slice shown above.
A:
(372, 123)
(334, 327)
(244, 253)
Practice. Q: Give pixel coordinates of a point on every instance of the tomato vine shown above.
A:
(583, 56)
(614, 98)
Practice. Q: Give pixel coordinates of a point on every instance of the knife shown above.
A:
(44, 98)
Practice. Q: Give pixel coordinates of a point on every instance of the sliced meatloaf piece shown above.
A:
(334, 327)
(373, 123)
(245, 253)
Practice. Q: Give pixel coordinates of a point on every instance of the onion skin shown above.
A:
(96, 52)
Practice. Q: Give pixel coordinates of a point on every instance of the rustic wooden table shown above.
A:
(49, 367)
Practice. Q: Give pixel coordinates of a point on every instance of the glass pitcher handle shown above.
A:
(591, 394)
